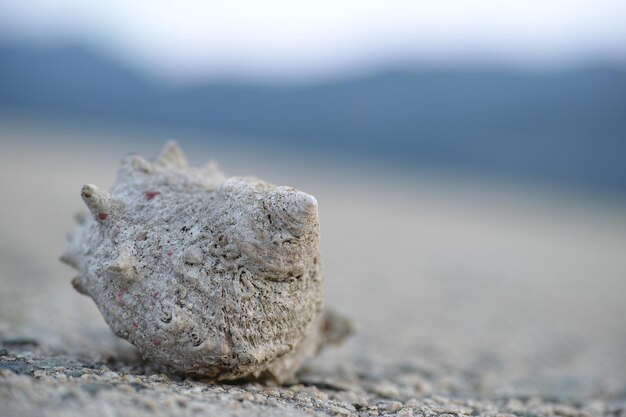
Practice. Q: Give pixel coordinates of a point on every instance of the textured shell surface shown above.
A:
(206, 275)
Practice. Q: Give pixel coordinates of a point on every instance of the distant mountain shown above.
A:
(566, 127)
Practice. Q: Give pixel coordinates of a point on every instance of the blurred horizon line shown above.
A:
(354, 71)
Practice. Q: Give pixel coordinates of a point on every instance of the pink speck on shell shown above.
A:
(119, 297)
(102, 215)
(156, 342)
(151, 194)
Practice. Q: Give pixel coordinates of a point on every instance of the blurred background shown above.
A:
(526, 91)
(469, 159)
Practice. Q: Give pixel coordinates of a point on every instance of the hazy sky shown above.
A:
(188, 39)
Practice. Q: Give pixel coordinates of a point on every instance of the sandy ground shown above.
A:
(467, 298)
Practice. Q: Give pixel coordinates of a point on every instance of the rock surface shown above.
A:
(467, 301)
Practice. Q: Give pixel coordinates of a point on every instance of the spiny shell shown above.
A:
(205, 275)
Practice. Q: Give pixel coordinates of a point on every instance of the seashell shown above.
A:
(206, 275)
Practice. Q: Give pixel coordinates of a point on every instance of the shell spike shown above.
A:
(78, 286)
(100, 203)
(304, 205)
(212, 176)
(297, 211)
(71, 257)
(171, 156)
(295, 202)
(72, 254)
(134, 164)
(211, 169)
(124, 268)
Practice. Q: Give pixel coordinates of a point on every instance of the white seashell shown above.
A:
(208, 276)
